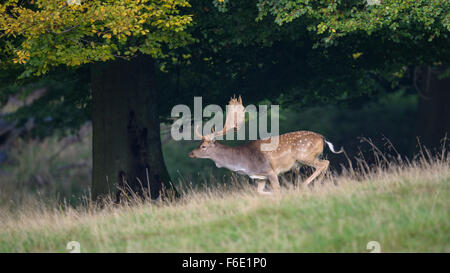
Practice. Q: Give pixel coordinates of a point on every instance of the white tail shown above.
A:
(330, 145)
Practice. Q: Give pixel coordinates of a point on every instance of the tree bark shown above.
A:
(433, 122)
(127, 155)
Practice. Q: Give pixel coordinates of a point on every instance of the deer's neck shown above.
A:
(231, 158)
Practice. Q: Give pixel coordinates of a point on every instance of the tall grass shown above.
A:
(48, 170)
(402, 204)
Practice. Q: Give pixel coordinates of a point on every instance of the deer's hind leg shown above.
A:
(320, 166)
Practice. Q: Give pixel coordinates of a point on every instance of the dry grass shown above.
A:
(403, 205)
(51, 170)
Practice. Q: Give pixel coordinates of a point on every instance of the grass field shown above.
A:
(403, 207)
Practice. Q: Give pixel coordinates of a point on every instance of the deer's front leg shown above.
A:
(261, 186)
(274, 182)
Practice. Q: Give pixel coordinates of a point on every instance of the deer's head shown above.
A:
(235, 118)
(207, 149)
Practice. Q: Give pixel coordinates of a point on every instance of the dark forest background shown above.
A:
(86, 91)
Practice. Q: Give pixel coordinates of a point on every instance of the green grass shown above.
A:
(405, 209)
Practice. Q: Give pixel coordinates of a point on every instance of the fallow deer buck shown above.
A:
(302, 147)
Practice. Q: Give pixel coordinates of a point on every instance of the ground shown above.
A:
(404, 208)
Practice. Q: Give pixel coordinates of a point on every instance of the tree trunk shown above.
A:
(126, 133)
(433, 122)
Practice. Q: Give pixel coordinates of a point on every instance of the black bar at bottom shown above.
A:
(223, 262)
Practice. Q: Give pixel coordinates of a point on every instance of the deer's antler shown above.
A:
(197, 133)
(235, 116)
(234, 120)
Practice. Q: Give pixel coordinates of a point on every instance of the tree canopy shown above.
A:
(45, 33)
(397, 20)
